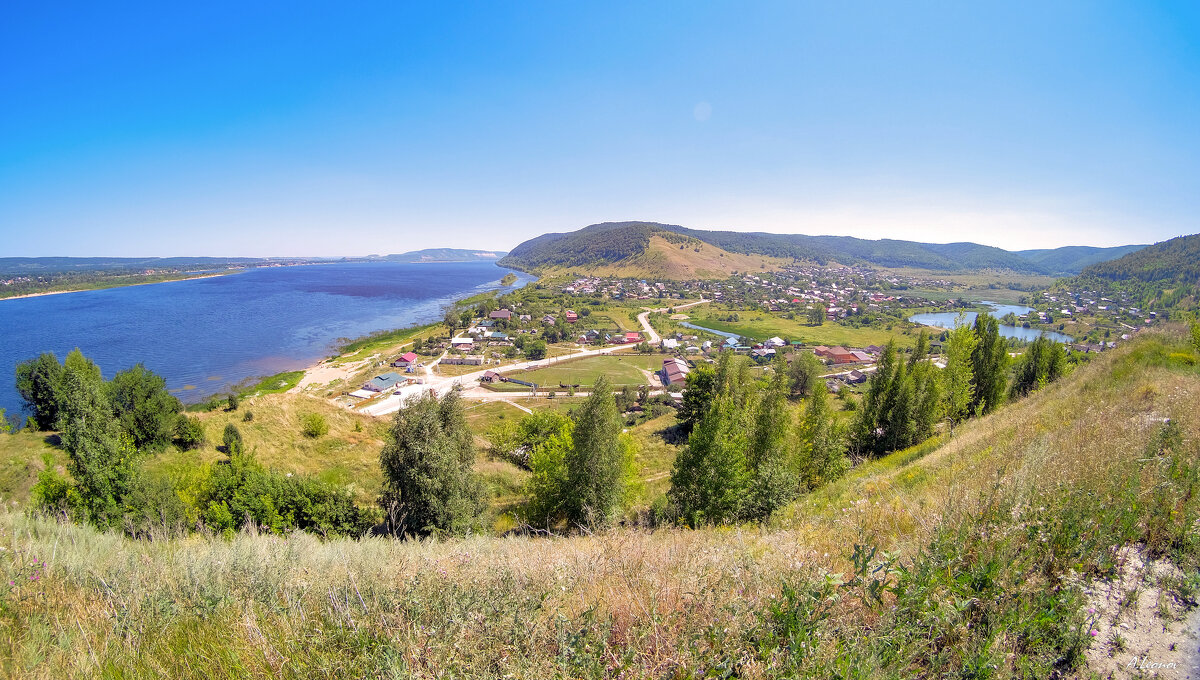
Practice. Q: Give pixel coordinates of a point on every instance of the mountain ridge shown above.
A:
(609, 243)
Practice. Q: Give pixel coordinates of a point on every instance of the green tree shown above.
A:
(823, 459)
(816, 315)
(535, 350)
(1195, 327)
(804, 373)
(429, 484)
(548, 487)
(772, 455)
(927, 388)
(144, 407)
(698, 392)
(233, 401)
(100, 456)
(232, 439)
(596, 463)
(959, 382)
(452, 319)
(314, 425)
(989, 365)
(39, 382)
(5, 426)
(1044, 362)
(189, 432)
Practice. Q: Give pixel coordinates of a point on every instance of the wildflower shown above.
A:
(1091, 610)
(1094, 632)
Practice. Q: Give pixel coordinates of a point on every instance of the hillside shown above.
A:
(613, 243)
(937, 561)
(665, 257)
(1073, 259)
(1174, 261)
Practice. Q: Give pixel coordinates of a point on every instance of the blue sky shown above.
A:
(305, 129)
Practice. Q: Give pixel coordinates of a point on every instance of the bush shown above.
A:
(314, 425)
(248, 416)
(232, 439)
(189, 433)
(233, 402)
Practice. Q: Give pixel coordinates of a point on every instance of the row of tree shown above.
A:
(750, 451)
(906, 400)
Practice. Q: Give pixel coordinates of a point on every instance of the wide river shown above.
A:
(203, 335)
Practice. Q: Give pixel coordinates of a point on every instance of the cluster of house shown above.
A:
(594, 336)
(842, 355)
(1116, 307)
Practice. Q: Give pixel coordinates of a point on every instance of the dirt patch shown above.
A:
(1139, 626)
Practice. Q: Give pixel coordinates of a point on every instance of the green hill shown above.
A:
(612, 243)
(446, 255)
(1174, 261)
(1073, 259)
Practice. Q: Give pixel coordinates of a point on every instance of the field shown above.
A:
(939, 561)
(620, 369)
(762, 325)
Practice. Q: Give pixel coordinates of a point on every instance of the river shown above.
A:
(948, 319)
(204, 335)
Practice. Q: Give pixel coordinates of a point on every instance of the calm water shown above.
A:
(947, 320)
(727, 334)
(211, 333)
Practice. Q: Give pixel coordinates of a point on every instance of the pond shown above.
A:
(947, 320)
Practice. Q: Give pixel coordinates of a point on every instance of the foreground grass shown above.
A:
(962, 559)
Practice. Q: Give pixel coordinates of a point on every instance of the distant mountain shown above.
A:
(1173, 261)
(612, 243)
(446, 255)
(1073, 259)
(36, 266)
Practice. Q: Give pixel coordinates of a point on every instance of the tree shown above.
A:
(548, 488)
(39, 382)
(314, 425)
(959, 374)
(823, 459)
(772, 454)
(100, 455)
(698, 392)
(452, 320)
(804, 373)
(5, 426)
(989, 364)
(597, 460)
(927, 388)
(429, 484)
(189, 433)
(233, 401)
(536, 350)
(144, 407)
(816, 315)
(1044, 362)
(232, 439)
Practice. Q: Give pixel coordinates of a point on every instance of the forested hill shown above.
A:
(1173, 261)
(612, 242)
(446, 255)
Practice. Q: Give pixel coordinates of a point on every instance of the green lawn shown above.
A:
(761, 325)
(619, 369)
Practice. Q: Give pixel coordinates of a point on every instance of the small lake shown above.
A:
(948, 320)
(204, 335)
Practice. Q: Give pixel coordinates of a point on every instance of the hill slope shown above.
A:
(446, 255)
(994, 533)
(612, 243)
(1176, 260)
(1073, 259)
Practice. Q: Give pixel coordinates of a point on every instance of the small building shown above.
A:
(465, 360)
(491, 377)
(406, 360)
(503, 314)
(571, 316)
(632, 338)
(549, 320)
(670, 343)
(775, 342)
(462, 343)
(855, 377)
(674, 371)
(382, 383)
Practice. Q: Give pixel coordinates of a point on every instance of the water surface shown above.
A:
(207, 334)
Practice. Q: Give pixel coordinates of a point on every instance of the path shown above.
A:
(652, 336)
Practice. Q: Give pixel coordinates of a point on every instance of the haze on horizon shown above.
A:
(277, 130)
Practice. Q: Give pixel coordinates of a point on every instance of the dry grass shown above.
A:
(624, 603)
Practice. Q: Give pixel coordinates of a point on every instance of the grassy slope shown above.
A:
(989, 525)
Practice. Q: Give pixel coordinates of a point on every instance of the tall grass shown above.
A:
(967, 560)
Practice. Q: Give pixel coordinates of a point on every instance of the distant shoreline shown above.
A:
(115, 285)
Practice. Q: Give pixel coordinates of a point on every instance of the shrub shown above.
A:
(248, 416)
(233, 402)
(189, 433)
(314, 425)
(232, 439)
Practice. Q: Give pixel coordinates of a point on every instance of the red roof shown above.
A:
(409, 357)
(633, 337)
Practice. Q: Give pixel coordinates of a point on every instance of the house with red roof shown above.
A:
(406, 360)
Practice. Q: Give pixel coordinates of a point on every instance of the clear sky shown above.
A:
(260, 128)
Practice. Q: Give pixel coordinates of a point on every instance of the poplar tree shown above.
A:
(989, 364)
(959, 373)
(595, 463)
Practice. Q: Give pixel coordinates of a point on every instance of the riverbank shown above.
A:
(118, 284)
